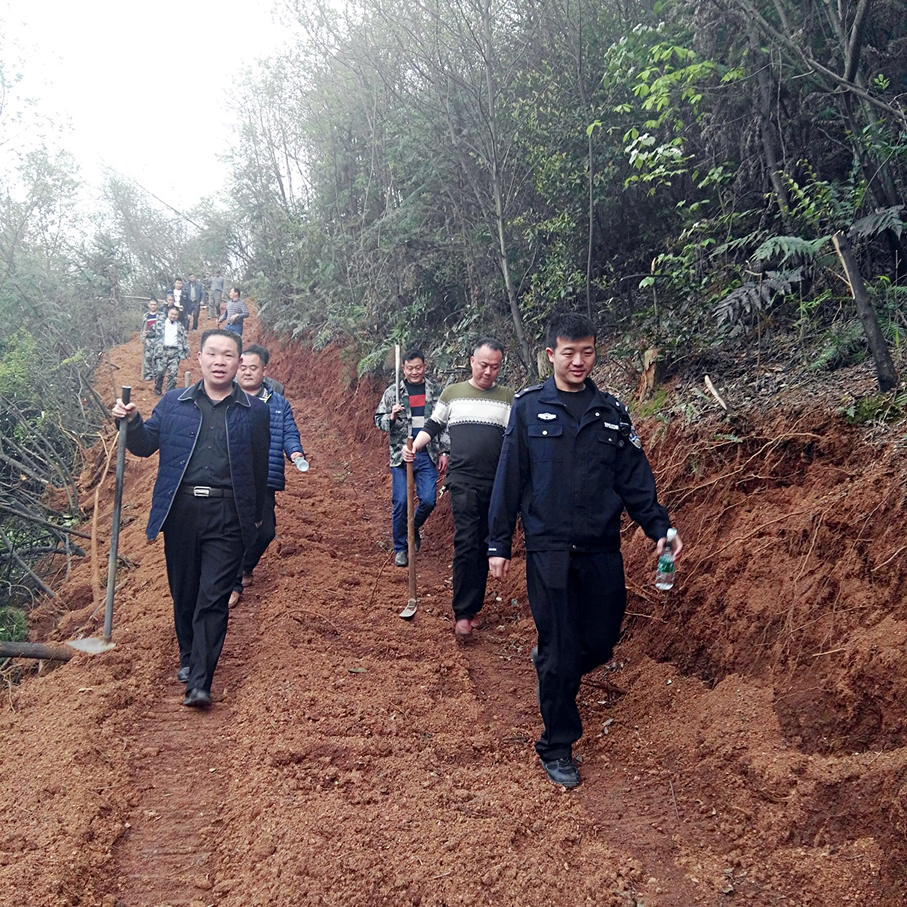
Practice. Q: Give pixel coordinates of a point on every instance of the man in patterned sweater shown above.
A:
(475, 413)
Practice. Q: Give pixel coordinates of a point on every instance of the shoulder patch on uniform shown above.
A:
(526, 390)
(634, 439)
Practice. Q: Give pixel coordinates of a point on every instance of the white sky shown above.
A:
(143, 84)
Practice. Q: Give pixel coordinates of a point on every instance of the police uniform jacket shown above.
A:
(173, 429)
(571, 481)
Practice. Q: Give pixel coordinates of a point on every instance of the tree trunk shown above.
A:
(885, 372)
(35, 650)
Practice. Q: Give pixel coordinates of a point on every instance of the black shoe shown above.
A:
(182, 675)
(200, 699)
(562, 771)
(400, 559)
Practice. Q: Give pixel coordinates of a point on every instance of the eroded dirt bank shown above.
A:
(351, 758)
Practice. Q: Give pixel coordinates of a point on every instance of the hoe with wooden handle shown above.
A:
(410, 609)
(92, 644)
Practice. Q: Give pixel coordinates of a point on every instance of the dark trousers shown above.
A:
(578, 603)
(266, 534)
(425, 478)
(204, 548)
(194, 314)
(469, 505)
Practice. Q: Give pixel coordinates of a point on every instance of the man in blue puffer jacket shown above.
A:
(209, 495)
(284, 442)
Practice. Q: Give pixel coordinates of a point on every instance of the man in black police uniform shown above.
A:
(208, 497)
(570, 464)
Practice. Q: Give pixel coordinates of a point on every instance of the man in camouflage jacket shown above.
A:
(171, 347)
(418, 397)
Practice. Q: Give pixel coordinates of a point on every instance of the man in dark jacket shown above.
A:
(208, 497)
(285, 442)
(195, 290)
(570, 463)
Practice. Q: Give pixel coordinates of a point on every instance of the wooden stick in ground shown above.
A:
(411, 605)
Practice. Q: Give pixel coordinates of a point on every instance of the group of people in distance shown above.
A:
(563, 455)
(165, 331)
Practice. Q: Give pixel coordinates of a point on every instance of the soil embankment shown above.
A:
(351, 758)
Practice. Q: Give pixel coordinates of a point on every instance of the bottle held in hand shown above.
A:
(664, 572)
(302, 464)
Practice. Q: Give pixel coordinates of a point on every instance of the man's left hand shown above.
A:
(443, 462)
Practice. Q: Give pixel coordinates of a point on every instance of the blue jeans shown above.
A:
(425, 474)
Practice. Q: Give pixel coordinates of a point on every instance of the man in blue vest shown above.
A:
(208, 498)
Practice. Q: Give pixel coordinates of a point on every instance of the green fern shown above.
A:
(878, 222)
(756, 296)
(790, 247)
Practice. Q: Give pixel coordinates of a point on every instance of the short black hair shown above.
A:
(491, 343)
(256, 349)
(569, 326)
(180, 279)
(414, 353)
(172, 308)
(238, 290)
(221, 332)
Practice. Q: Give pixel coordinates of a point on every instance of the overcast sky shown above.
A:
(143, 85)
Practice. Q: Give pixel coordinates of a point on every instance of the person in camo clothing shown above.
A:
(418, 397)
(151, 320)
(171, 347)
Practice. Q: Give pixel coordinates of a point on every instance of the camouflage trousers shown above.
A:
(148, 360)
(167, 362)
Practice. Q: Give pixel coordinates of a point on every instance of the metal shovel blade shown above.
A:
(410, 609)
(92, 645)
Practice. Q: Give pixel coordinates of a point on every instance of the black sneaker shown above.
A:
(182, 675)
(562, 771)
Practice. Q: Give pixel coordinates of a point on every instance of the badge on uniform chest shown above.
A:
(547, 417)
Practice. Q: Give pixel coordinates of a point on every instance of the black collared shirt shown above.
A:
(210, 461)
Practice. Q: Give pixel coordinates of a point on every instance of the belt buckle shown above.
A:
(201, 491)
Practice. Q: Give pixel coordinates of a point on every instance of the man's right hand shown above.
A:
(121, 410)
(498, 567)
(396, 409)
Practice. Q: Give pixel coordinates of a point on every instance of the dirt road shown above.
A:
(352, 758)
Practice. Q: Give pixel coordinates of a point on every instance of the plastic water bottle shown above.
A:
(302, 464)
(664, 572)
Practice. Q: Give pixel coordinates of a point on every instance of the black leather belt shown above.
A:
(206, 491)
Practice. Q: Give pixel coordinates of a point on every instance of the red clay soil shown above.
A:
(757, 756)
